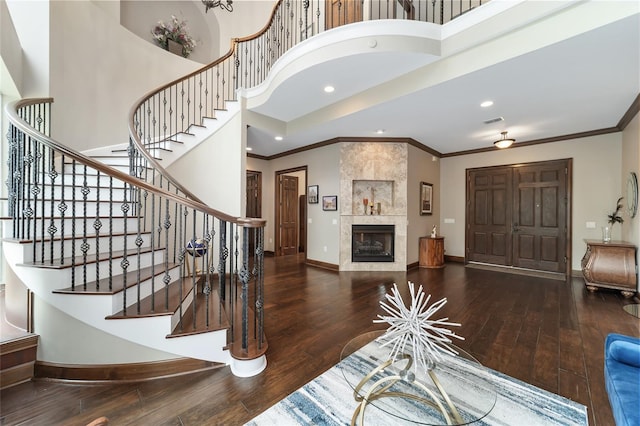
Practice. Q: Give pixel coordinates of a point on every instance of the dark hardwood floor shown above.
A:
(545, 332)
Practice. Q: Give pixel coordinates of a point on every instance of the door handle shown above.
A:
(514, 227)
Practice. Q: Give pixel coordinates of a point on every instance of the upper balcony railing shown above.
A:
(159, 116)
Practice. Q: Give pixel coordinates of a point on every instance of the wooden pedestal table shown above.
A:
(610, 265)
(431, 253)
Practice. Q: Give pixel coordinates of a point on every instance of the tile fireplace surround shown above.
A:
(377, 172)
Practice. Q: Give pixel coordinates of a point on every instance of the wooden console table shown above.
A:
(610, 265)
(431, 252)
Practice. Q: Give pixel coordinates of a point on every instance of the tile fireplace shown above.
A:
(372, 243)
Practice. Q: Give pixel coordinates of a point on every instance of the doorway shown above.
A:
(519, 216)
(290, 213)
(254, 199)
(342, 12)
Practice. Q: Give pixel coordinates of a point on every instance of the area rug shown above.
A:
(328, 400)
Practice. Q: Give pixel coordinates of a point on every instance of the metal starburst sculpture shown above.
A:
(412, 329)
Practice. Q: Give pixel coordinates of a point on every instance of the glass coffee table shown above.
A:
(457, 391)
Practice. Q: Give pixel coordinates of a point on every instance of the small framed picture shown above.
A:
(330, 202)
(426, 198)
(312, 194)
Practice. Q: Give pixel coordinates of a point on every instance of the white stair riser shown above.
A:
(66, 247)
(62, 277)
(118, 159)
(82, 208)
(69, 192)
(80, 170)
(92, 180)
(116, 224)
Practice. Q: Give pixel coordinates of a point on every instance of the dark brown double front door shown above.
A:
(519, 215)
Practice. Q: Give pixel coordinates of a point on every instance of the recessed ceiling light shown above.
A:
(380, 131)
(278, 138)
(249, 148)
(486, 104)
(329, 89)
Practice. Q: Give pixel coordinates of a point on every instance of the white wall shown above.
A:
(140, 16)
(255, 14)
(31, 21)
(596, 185)
(211, 169)
(631, 163)
(323, 165)
(59, 342)
(422, 167)
(98, 70)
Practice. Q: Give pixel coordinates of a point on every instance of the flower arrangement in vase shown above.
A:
(612, 219)
(175, 31)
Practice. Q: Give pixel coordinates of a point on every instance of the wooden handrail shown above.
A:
(11, 110)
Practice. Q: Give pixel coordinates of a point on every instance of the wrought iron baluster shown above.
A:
(110, 257)
(139, 242)
(167, 276)
(84, 247)
(97, 224)
(73, 224)
(124, 263)
(194, 274)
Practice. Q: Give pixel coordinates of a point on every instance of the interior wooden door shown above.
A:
(254, 199)
(288, 214)
(489, 215)
(341, 12)
(540, 216)
(519, 216)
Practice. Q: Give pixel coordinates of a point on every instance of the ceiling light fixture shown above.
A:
(486, 104)
(504, 142)
(212, 4)
(249, 148)
(278, 138)
(381, 131)
(329, 89)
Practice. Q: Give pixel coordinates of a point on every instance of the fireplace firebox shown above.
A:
(372, 243)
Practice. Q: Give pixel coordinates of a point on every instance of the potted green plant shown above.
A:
(174, 32)
(612, 219)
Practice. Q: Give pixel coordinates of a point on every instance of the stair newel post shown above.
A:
(259, 283)
(244, 281)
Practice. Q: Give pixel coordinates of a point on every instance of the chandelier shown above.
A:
(211, 4)
(504, 142)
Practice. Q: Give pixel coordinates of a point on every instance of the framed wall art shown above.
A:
(426, 198)
(330, 202)
(312, 194)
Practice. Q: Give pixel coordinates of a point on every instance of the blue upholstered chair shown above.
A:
(622, 378)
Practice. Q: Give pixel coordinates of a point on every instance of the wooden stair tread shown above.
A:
(117, 281)
(217, 314)
(155, 306)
